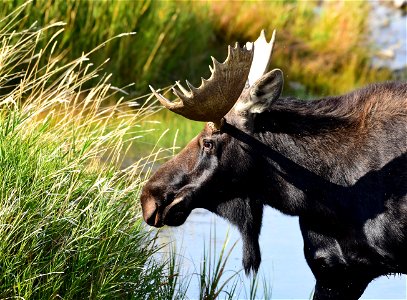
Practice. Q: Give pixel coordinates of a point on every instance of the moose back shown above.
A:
(339, 163)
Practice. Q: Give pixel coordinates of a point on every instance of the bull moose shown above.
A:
(339, 163)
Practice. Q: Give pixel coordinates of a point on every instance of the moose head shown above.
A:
(216, 171)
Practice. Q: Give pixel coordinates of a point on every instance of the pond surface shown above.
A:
(388, 33)
(283, 263)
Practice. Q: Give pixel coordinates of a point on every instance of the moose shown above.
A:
(339, 163)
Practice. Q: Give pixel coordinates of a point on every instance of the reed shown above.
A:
(213, 275)
(70, 225)
(216, 281)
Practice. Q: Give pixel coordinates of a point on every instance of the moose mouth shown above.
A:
(174, 214)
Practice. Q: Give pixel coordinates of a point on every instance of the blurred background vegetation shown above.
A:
(321, 46)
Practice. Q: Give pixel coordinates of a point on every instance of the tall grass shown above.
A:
(212, 278)
(213, 272)
(70, 226)
(322, 46)
(217, 282)
(169, 33)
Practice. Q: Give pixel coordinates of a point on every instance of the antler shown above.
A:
(212, 100)
(217, 95)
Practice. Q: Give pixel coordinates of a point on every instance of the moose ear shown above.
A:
(265, 91)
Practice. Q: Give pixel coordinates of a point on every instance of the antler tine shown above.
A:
(164, 101)
(262, 55)
(185, 91)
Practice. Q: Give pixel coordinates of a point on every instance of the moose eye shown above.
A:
(207, 144)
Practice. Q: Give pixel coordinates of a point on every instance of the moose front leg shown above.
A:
(347, 289)
(336, 276)
(246, 215)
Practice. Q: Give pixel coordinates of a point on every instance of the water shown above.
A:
(388, 32)
(283, 263)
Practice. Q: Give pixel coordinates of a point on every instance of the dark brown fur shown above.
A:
(339, 163)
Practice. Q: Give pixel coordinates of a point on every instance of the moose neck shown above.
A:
(294, 148)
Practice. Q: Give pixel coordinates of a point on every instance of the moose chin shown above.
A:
(339, 163)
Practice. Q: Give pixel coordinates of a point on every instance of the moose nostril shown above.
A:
(151, 220)
(150, 210)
